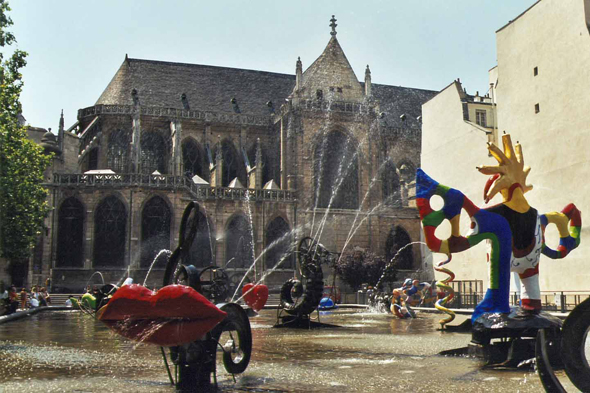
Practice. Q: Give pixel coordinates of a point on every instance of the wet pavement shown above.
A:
(67, 351)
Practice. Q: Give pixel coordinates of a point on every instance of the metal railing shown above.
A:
(199, 192)
(562, 301)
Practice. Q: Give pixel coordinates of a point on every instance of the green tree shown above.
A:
(23, 205)
(357, 266)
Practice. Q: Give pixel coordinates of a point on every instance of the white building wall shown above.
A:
(552, 36)
(451, 149)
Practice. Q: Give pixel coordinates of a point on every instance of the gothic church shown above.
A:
(269, 158)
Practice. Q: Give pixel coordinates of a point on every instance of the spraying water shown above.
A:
(392, 261)
(90, 279)
(167, 252)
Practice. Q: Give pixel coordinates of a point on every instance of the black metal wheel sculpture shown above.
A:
(301, 297)
(215, 284)
(195, 362)
(574, 339)
(235, 338)
(188, 230)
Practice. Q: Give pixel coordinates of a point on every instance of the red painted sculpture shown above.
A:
(174, 315)
(255, 296)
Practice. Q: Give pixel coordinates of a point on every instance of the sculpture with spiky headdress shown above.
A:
(513, 229)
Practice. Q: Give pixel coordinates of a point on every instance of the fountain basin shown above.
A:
(69, 351)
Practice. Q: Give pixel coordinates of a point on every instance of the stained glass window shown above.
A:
(110, 224)
(70, 234)
(155, 231)
(336, 172)
(278, 245)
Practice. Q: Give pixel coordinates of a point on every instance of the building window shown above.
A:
(537, 108)
(70, 234)
(155, 231)
(192, 160)
(239, 244)
(480, 118)
(93, 159)
(232, 165)
(201, 251)
(110, 224)
(117, 153)
(270, 170)
(336, 172)
(278, 241)
(390, 184)
(154, 153)
(394, 248)
(535, 71)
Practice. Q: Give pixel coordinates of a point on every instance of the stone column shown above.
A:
(136, 143)
(176, 136)
(283, 179)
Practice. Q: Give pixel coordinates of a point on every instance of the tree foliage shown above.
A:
(23, 204)
(357, 266)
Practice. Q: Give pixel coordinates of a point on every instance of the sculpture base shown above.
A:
(508, 340)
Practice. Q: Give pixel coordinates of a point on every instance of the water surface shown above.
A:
(72, 352)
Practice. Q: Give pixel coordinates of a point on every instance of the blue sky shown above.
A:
(75, 47)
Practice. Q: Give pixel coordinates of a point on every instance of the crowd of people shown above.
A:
(13, 300)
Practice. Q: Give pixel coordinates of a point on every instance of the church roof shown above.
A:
(208, 88)
(332, 71)
(395, 101)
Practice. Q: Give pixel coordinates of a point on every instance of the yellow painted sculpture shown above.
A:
(514, 230)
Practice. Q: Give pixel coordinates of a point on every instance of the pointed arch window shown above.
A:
(110, 225)
(278, 245)
(391, 185)
(117, 151)
(233, 164)
(336, 172)
(201, 251)
(154, 153)
(92, 159)
(70, 234)
(397, 239)
(193, 160)
(268, 167)
(155, 231)
(239, 244)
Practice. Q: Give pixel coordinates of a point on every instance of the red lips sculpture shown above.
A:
(174, 315)
(255, 296)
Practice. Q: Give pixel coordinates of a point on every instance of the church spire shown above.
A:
(368, 82)
(333, 26)
(298, 73)
(60, 131)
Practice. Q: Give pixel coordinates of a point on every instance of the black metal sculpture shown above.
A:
(300, 298)
(195, 362)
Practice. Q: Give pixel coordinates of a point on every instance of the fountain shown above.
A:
(181, 316)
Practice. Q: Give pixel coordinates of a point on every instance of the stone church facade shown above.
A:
(269, 158)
